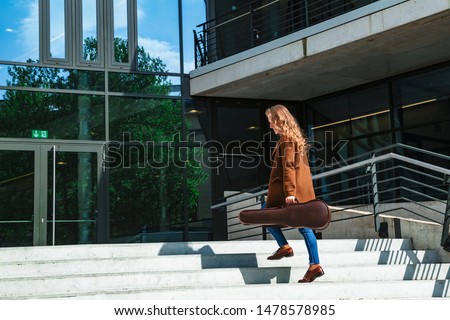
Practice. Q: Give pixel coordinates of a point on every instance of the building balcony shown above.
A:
(379, 40)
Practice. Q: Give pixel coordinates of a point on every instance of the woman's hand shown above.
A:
(290, 200)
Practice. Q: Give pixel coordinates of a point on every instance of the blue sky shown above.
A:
(157, 25)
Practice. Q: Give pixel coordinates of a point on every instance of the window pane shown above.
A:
(198, 114)
(121, 50)
(336, 120)
(368, 101)
(194, 13)
(159, 42)
(434, 137)
(371, 123)
(16, 198)
(51, 78)
(57, 30)
(155, 211)
(422, 87)
(19, 30)
(330, 111)
(144, 83)
(154, 173)
(363, 145)
(89, 30)
(144, 119)
(64, 116)
(335, 132)
(239, 148)
(199, 132)
(432, 112)
(245, 122)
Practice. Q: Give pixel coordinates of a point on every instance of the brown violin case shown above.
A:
(314, 214)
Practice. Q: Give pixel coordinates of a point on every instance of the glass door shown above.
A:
(72, 198)
(19, 212)
(49, 194)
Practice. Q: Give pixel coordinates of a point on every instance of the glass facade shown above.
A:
(94, 143)
(412, 109)
(422, 104)
(352, 116)
(62, 115)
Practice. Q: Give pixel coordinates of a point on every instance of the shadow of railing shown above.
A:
(247, 263)
(379, 244)
(425, 266)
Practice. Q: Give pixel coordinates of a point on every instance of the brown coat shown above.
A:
(290, 175)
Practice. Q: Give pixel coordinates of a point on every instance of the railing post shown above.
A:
(373, 175)
(306, 14)
(200, 48)
(253, 31)
(205, 48)
(195, 49)
(220, 226)
(262, 198)
(445, 239)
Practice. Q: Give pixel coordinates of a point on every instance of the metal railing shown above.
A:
(263, 21)
(398, 179)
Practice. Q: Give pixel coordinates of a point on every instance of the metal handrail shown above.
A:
(412, 170)
(248, 8)
(417, 182)
(361, 164)
(240, 199)
(370, 172)
(415, 149)
(409, 210)
(382, 149)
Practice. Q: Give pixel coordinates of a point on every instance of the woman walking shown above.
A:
(290, 181)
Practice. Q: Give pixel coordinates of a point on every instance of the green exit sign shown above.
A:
(39, 134)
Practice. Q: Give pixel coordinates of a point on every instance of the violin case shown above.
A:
(314, 214)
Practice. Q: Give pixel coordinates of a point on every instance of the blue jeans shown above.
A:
(308, 235)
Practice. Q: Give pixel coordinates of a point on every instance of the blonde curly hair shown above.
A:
(280, 116)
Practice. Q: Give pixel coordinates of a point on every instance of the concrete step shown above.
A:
(315, 290)
(362, 269)
(182, 263)
(73, 285)
(400, 289)
(182, 248)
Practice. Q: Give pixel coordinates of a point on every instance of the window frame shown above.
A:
(45, 37)
(73, 24)
(100, 62)
(131, 33)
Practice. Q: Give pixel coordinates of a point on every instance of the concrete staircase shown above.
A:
(354, 269)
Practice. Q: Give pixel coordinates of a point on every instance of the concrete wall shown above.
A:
(424, 235)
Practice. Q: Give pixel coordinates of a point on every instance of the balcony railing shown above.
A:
(263, 21)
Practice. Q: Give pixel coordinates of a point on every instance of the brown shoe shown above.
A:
(283, 252)
(311, 275)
